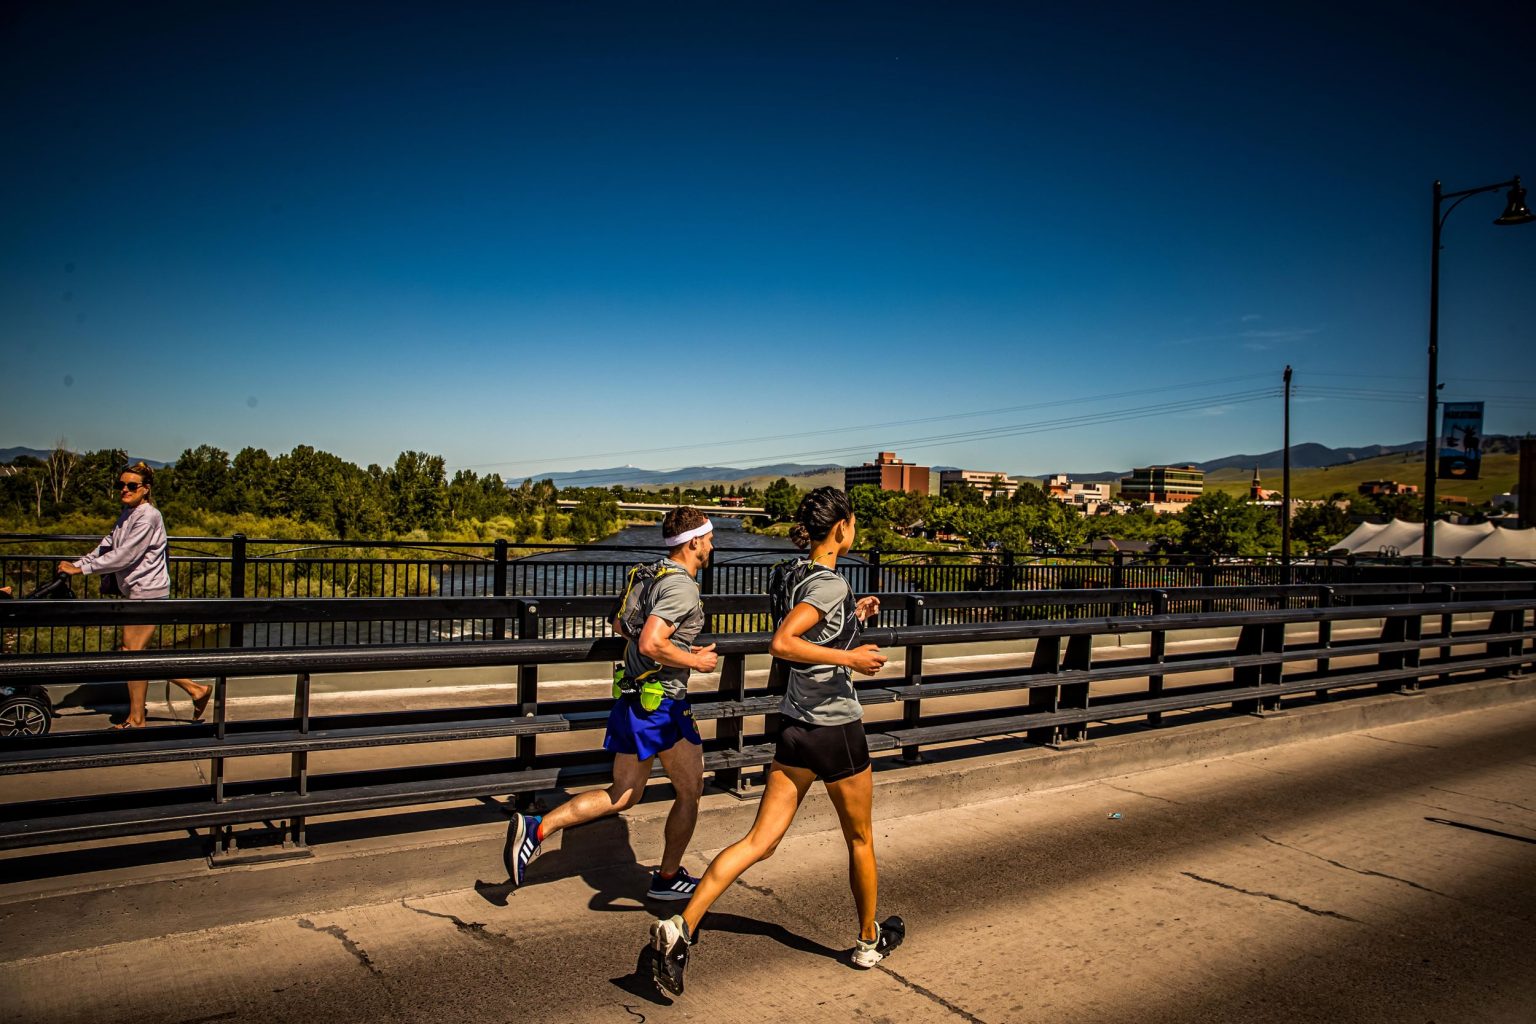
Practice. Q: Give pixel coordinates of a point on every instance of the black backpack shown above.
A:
(785, 580)
(634, 605)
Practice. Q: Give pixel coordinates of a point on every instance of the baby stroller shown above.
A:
(26, 710)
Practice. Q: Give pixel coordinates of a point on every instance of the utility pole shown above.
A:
(1285, 488)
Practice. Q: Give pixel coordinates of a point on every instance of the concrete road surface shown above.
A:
(1383, 875)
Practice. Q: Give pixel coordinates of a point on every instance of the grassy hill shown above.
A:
(805, 481)
(1500, 473)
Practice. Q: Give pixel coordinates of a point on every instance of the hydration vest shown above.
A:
(634, 605)
(633, 609)
(786, 581)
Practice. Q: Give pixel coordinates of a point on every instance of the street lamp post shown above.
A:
(1515, 212)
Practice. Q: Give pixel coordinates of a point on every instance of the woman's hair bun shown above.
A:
(800, 536)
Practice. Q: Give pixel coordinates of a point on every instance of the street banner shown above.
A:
(1461, 440)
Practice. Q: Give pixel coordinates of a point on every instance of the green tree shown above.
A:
(1062, 528)
(906, 509)
(417, 492)
(595, 515)
(781, 499)
(868, 503)
(1218, 524)
(963, 494)
(250, 482)
(202, 479)
(1029, 494)
(1319, 527)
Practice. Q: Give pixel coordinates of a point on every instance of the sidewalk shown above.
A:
(1376, 875)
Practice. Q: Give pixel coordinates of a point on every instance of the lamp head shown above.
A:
(1515, 211)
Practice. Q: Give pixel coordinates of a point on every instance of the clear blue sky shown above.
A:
(531, 236)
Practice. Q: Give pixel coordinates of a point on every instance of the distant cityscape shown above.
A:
(1164, 489)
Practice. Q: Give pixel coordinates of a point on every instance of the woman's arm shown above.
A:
(789, 644)
(121, 548)
(84, 562)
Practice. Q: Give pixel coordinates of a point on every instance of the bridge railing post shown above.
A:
(730, 730)
(1324, 639)
(527, 697)
(912, 710)
(1158, 653)
(1447, 628)
(499, 586)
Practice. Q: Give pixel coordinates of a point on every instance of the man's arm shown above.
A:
(656, 643)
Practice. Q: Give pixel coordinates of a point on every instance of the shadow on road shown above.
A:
(738, 925)
(599, 853)
(641, 982)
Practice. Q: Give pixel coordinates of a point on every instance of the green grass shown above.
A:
(1500, 473)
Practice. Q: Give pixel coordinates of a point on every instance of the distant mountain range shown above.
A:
(1303, 456)
(633, 476)
(9, 455)
(1309, 456)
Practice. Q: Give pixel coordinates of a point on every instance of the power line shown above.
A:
(874, 426)
(1019, 429)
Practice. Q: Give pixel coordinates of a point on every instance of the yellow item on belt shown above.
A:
(649, 692)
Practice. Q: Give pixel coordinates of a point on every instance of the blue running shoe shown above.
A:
(522, 847)
(679, 887)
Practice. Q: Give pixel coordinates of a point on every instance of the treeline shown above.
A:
(1030, 522)
(412, 498)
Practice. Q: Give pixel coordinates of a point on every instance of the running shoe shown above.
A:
(670, 940)
(679, 887)
(888, 935)
(522, 847)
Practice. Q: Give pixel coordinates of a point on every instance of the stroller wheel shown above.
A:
(22, 714)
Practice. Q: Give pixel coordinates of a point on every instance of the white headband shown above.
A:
(688, 535)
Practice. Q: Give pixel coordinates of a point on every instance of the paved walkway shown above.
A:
(1375, 876)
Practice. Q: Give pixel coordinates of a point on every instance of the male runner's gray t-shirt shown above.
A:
(675, 598)
(822, 694)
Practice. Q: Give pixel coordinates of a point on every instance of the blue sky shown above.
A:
(558, 236)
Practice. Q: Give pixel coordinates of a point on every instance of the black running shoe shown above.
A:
(679, 887)
(669, 939)
(888, 935)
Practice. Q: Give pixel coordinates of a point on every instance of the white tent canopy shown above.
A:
(1452, 540)
(1515, 545)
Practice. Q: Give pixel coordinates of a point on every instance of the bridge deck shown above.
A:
(1377, 875)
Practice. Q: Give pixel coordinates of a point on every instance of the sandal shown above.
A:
(200, 704)
(125, 725)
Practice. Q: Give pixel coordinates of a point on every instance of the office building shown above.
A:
(1159, 484)
(888, 473)
(988, 483)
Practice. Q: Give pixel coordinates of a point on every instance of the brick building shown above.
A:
(888, 473)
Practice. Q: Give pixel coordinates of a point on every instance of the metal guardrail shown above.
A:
(290, 570)
(1421, 633)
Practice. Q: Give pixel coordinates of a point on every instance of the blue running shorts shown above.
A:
(633, 730)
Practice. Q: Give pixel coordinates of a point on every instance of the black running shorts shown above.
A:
(833, 752)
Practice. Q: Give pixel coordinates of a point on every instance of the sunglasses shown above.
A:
(124, 485)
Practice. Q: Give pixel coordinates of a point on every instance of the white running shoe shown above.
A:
(670, 940)
(888, 935)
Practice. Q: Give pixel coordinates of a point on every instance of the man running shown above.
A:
(663, 652)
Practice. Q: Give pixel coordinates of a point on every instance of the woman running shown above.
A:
(822, 738)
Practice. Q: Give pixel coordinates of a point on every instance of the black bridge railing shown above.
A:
(290, 570)
(1259, 648)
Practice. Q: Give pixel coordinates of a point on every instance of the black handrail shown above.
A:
(1058, 703)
